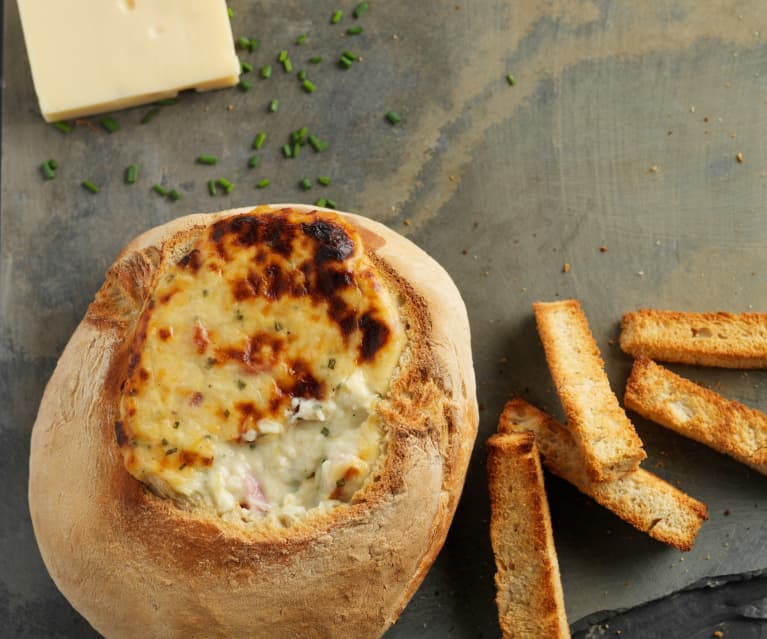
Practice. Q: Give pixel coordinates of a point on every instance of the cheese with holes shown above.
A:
(257, 366)
(94, 56)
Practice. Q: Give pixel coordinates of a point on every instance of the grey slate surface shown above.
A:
(503, 185)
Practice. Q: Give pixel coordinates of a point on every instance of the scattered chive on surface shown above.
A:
(345, 63)
(283, 55)
(306, 184)
(64, 127)
(159, 190)
(287, 151)
(287, 65)
(110, 124)
(301, 39)
(331, 204)
(230, 12)
(131, 174)
(316, 144)
(244, 85)
(393, 117)
(321, 202)
(225, 184)
(354, 30)
(296, 149)
(259, 140)
(212, 187)
(336, 18)
(263, 183)
(150, 115)
(511, 79)
(53, 164)
(301, 75)
(309, 86)
(266, 71)
(254, 161)
(361, 9)
(91, 186)
(167, 102)
(207, 159)
(348, 54)
(324, 180)
(274, 106)
(253, 44)
(245, 67)
(315, 59)
(242, 42)
(48, 170)
(174, 195)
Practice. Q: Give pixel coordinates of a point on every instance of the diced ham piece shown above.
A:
(254, 498)
(201, 337)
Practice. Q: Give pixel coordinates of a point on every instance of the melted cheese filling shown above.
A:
(257, 366)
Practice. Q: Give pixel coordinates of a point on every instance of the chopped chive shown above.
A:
(349, 55)
(324, 180)
(266, 71)
(287, 151)
(287, 65)
(296, 149)
(332, 204)
(345, 63)
(316, 144)
(263, 183)
(131, 174)
(321, 202)
(244, 85)
(167, 102)
(254, 161)
(362, 7)
(212, 187)
(242, 42)
(341, 482)
(354, 30)
(393, 117)
(301, 39)
(109, 124)
(48, 170)
(252, 44)
(332, 363)
(258, 142)
(301, 75)
(245, 67)
(274, 106)
(150, 115)
(207, 159)
(53, 164)
(174, 195)
(337, 15)
(225, 184)
(325, 431)
(159, 190)
(283, 55)
(511, 79)
(91, 186)
(306, 184)
(302, 133)
(64, 127)
(230, 12)
(315, 59)
(309, 86)
(170, 451)
(278, 326)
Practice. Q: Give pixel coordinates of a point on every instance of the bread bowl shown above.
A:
(139, 548)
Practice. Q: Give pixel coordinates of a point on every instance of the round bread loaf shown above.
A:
(261, 428)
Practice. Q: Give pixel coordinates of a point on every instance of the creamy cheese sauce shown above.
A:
(256, 369)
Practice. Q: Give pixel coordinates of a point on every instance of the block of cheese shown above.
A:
(89, 57)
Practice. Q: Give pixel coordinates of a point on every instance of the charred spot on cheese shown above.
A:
(231, 399)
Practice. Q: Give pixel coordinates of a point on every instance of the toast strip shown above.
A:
(529, 590)
(606, 438)
(698, 413)
(639, 498)
(705, 339)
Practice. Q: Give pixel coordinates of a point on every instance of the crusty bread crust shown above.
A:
(529, 590)
(698, 413)
(705, 339)
(135, 564)
(609, 445)
(639, 498)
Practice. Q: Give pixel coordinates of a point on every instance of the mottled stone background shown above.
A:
(621, 131)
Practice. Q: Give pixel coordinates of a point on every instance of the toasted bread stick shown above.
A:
(705, 339)
(606, 438)
(698, 413)
(527, 581)
(639, 498)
